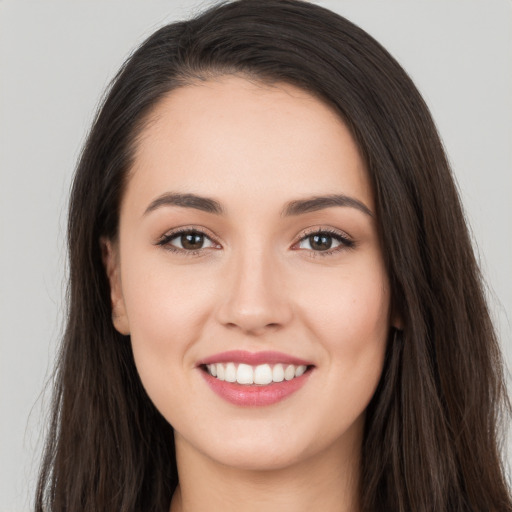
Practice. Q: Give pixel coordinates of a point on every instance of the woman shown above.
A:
(273, 297)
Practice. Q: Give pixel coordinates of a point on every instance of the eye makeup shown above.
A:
(323, 241)
(185, 240)
(192, 241)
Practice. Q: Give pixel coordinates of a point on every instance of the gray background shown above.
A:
(56, 57)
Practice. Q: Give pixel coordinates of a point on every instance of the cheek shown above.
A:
(160, 295)
(350, 319)
(348, 308)
(167, 308)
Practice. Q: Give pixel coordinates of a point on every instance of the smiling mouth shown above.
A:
(259, 375)
(255, 379)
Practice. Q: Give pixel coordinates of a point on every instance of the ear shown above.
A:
(398, 325)
(110, 257)
(396, 320)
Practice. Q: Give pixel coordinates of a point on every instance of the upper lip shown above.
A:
(253, 358)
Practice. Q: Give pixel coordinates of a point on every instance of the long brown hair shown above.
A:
(432, 428)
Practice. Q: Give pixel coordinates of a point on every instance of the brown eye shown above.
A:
(192, 241)
(320, 242)
(187, 241)
(324, 241)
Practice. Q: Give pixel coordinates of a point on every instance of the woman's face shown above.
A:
(248, 251)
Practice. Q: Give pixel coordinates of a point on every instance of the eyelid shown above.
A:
(165, 239)
(346, 241)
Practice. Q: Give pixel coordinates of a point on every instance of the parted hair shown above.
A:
(433, 428)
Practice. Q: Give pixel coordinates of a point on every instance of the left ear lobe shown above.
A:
(110, 257)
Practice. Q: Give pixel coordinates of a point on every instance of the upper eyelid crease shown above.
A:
(330, 231)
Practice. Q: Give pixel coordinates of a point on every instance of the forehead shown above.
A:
(238, 138)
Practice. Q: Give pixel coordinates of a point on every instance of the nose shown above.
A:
(254, 298)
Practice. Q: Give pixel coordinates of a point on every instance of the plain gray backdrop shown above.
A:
(56, 57)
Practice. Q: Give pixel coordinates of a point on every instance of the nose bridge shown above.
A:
(255, 297)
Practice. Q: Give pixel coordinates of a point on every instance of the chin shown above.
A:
(264, 447)
(257, 457)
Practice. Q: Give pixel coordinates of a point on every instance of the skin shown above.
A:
(257, 285)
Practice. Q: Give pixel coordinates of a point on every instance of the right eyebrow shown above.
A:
(204, 204)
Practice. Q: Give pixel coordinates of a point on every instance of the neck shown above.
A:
(329, 481)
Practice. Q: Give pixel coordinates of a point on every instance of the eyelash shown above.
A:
(165, 240)
(344, 241)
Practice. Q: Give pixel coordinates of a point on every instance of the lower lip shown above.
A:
(255, 395)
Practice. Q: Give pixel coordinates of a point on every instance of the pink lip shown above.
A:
(253, 358)
(255, 395)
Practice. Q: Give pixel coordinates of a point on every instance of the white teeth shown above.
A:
(300, 370)
(262, 374)
(244, 374)
(289, 373)
(230, 374)
(278, 373)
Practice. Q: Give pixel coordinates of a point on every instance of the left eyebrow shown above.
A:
(314, 204)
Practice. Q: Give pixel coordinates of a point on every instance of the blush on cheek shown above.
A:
(350, 317)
